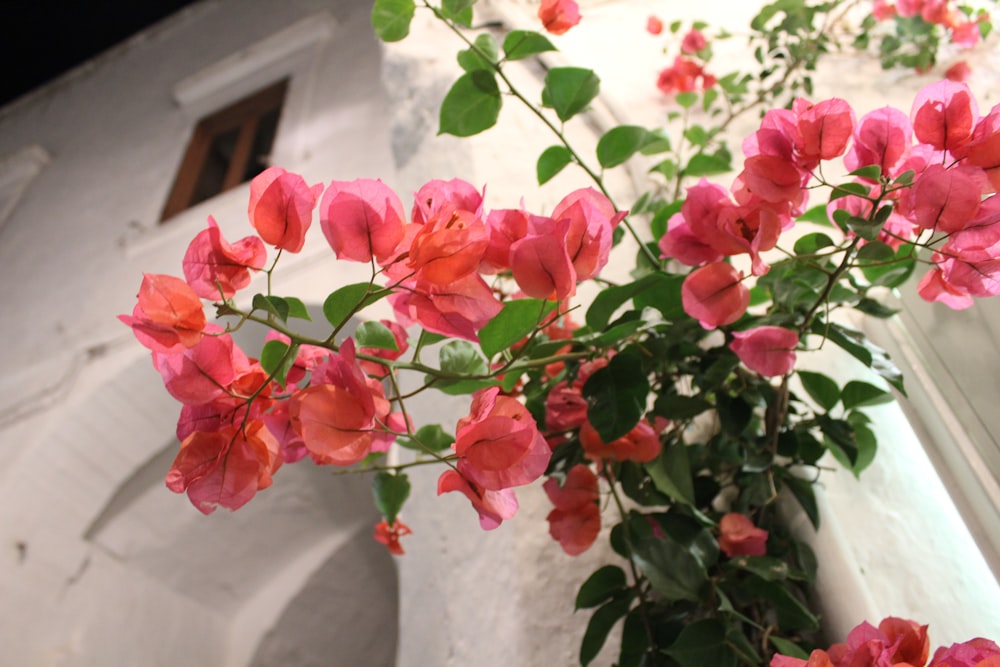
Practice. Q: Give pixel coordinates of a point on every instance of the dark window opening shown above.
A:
(227, 148)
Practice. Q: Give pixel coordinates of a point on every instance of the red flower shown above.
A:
(558, 16)
(641, 444)
(576, 519)
(654, 26)
(683, 76)
(738, 536)
(389, 535)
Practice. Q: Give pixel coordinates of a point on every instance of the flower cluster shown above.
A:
(896, 641)
(687, 73)
(240, 422)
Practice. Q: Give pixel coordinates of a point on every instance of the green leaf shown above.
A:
(391, 19)
(821, 388)
(789, 648)
(346, 301)
(876, 251)
(846, 189)
(276, 359)
(686, 100)
(619, 144)
(816, 215)
(460, 357)
(617, 396)
(297, 309)
(610, 299)
(600, 625)
(857, 394)
(702, 643)
(430, 437)
(459, 11)
(672, 570)
(657, 141)
(517, 319)
(703, 164)
(483, 57)
(471, 106)
(551, 162)
(871, 172)
(390, 492)
(765, 567)
(601, 586)
(375, 335)
(803, 491)
(520, 44)
(678, 407)
(671, 473)
(864, 438)
(875, 308)
(569, 90)
(273, 305)
(812, 243)
(862, 349)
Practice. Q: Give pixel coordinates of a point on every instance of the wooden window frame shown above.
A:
(245, 114)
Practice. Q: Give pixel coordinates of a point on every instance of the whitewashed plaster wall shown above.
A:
(99, 564)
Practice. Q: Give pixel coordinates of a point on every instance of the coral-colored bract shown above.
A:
(738, 536)
(558, 16)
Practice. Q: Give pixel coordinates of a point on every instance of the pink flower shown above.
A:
(738, 536)
(944, 115)
(965, 34)
(933, 287)
(693, 42)
(542, 266)
(459, 309)
(558, 16)
(281, 207)
(498, 444)
(214, 268)
(882, 137)
(168, 317)
(362, 219)
(654, 26)
(817, 658)
(894, 641)
(978, 652)
(945, 200)
(715, 295)
(225, 467)
(576, 519)
(492, 506)
(824, 128)
(342, 415)
(767, 350)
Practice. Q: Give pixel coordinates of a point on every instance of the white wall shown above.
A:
(99, 564)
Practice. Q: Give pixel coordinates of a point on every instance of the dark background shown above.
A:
(41, 39)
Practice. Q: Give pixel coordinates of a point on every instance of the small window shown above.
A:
(228, 148)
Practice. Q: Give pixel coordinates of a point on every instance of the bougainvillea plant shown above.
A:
(670, 406)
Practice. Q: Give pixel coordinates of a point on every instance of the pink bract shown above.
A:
(281, 207)
(362, 219)
(492, 506)
(715, 295)
(168, 317)
(215, 269)
(768, 350)
(558, 16)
